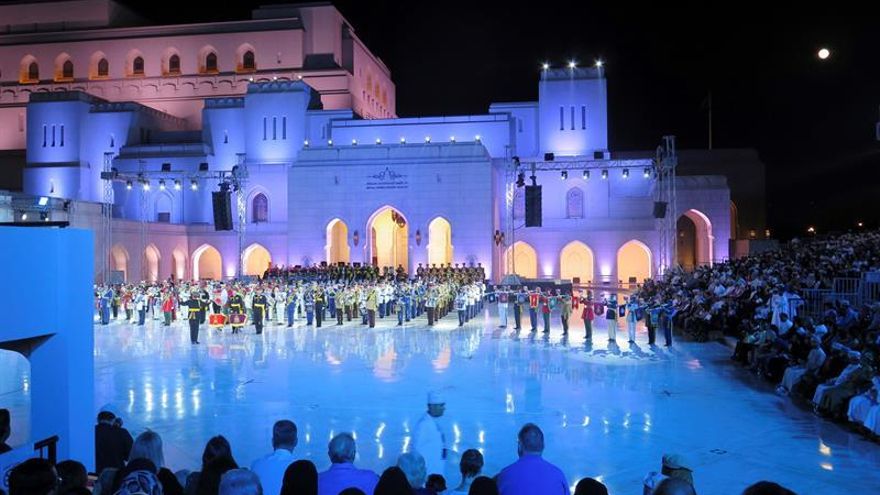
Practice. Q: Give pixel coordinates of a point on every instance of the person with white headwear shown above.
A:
(429, 440)
(815, 360)
(860, 405)
(829, 394)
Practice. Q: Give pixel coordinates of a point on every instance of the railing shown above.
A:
(50, 445)
(855, 290)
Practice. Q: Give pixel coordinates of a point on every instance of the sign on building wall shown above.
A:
(387, 179)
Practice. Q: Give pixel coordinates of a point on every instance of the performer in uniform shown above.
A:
(261, 304)
(194, 307)
(236, 307)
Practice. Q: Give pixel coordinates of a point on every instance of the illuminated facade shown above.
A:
(331, 179)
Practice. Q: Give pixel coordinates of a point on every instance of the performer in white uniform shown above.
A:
(429, 439)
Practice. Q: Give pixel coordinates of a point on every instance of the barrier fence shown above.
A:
(855, 290)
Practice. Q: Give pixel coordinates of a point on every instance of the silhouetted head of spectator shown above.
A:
(483, 486)
(284, 435)
(5, 425)
(148, 445)
(436, 483)
(471, 464)
(589, 486)
(212, 472)
(674, 486)
(216, 447)
(413, 466)
(342, 449)
(240, 482)
(767, 488)
(106, 417)
(73, 475)
(300, 478)
(530, 440)
(393, 482)
(33, 477)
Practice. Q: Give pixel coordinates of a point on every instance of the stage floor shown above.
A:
(608, 413)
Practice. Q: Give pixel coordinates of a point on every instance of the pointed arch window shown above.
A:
(103, 68)
(574, 203)
(174, 64)
(211, 62)
(33, 73)
(260, 209)
(248, 62)
(137, 66)
(67, 70)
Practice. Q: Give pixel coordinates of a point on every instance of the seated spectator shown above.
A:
(860, 405)
(672, 466)
(209, 479)
(831, 397)
(767, 488)
(815, 360)
(148, 445)
(393, 482)
(342, 473)
(413, 466)
(589, 486)
(139, 478)
(240, 482)
(104, 483)
(216, 447)
(531, 473)
(471, 465)
(436, 483)
(74, 479)
(300, 478)
(112, 443)
(33, 477)
(272, 467)
(483, 485)
(5, 430)
(674, 486)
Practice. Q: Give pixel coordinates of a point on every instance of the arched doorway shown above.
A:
(576, 263)
(633, 262)
(439, 242)
(337, 248)
(525, 260)
(151, 263)
(256, 260)
(207, 263)
(179, 266)
(119, 262)
(694, 240)
(389, 232)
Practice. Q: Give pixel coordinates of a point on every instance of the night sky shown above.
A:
(812, 121)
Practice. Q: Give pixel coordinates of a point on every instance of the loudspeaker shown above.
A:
(533, 206)
(659, 209)
(549, 157)
(222, 201)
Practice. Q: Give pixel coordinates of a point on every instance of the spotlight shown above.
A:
(146, 185)
(354, 142)
(23, 217)
(586, 174)
(861, 224)
(306, 143)
(44, 216)
(378, 140)
(451, 139)
(176, 185)
(43, 201)
(329, 142)
(194, 185)
(605, 174)
(427, 139)
(161, 184)
(477, 138)
(521, 179)
(545, 66)
(572, 64)
(564, 174)
(647, 173)
(626, 173)
(599, 63)
(402, 140)
(128, 185)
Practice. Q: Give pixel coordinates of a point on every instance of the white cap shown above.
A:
(436, 397)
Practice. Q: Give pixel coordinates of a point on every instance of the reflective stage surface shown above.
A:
(607, 412)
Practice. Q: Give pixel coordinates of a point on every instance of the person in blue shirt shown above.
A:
(531, 473)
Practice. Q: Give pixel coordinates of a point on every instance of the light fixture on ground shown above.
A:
(354, 142)
(586, 174)
(599, 63)
(378, 141)
(427, 139)
(161, 184)
(176, 184)
(572, 64)
(647, 173)
(564, 174)
(23, 217)
(128, 185)
(626, 173)
(451, 139)
(402, 140)
(605, 174)
(545, 66)
(146, 185)
(329, 142)
(306, 143)
(477, 138)
(194, 185)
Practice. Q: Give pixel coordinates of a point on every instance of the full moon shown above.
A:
(824, 53)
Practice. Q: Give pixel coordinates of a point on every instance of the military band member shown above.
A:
(260, 308)
(194, 307)
(236, 307)
(319, 305)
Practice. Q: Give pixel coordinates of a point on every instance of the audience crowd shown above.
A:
(825, 352)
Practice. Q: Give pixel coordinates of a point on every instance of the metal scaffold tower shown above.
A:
(106, 220)
(665, 162)
(239, 180)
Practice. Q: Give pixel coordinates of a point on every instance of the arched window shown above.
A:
(174, 64)
(211, 62)
(574, 203)
(260, 209)
(67, 70)
(137, 66)
(248, 62)
(103, 68)
(33, 72)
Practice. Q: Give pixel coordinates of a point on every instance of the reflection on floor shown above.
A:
(608, 411)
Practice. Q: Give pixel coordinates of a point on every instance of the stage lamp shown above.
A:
(626, 173)
(128, 185)
(146, 184)
(572, 64)
(451, 139)
(521, 179)
(43, 201)
(176, 185)
(354, 142)
(564, 174)
(477, 138)
(605, 174)
(306, 143)
(861, 224)
(599, 63)
(194, 185)
(647, 173)
(378, 140)
(329, 142)
(586, 174)
(427, 139)
(402, 140)
(161, 184)
(545, 66)
(23, 217)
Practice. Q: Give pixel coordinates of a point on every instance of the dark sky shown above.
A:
(811, 121)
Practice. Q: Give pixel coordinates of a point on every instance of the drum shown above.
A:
(217, 320)
(238, 320)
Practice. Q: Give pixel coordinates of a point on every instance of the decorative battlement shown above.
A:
(54, 96)
(277, 87)
(129, 106)
(224, 102)
(565, 74)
